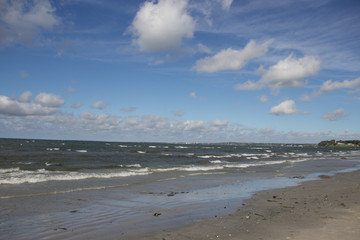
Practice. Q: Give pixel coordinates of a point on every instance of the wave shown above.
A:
(81, 151)
(17, 176)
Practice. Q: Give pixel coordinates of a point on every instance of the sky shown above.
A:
(277, 71)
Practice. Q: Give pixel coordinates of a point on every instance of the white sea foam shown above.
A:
(52, 149)
(166, 154)
(216, 161)
(246, 155)
(17, 176)
(81, 151)
(141, 152)
(8, 170)
(122, 146)
(181, 147)
(192, 168)
(136, 165)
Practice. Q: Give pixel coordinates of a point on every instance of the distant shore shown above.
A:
(323, 209)
(340, 143)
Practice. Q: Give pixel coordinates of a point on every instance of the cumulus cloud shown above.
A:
(330, 86)
(335, 115)
(49, 100)
(17, 107)
(291, 72)
(286, 107)
(194, 125)
(287, 73)
(99, 105)
(218, 125)
(230, 59)
(101, 126)
(161, 26)
(92, 121)
(20, 20)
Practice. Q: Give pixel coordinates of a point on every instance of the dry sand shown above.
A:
(323, 209)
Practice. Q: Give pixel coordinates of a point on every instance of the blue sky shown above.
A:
(176, 70)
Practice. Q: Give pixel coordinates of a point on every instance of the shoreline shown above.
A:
(328, 208)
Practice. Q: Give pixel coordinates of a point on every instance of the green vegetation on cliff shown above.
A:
(340, 143)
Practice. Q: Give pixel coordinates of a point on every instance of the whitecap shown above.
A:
(81, 151)
(41, 175)
(216, 161)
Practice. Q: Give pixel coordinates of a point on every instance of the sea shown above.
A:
(59, 189)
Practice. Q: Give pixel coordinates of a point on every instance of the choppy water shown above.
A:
(35, 161)
(126, 182)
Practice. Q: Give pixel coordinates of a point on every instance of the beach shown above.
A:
(323, 209)
(115, 190)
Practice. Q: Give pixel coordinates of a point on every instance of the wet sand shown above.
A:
(324, 209)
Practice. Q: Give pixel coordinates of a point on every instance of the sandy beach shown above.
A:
(323, 209)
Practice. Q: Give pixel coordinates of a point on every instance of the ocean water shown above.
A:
(128, 182)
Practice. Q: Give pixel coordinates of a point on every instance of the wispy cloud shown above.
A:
(99, 105)
(230, 59)
(335, 115)
(330, 86)
(128, 109)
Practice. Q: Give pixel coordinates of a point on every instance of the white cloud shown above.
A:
(218, 125)
(128, 109)
(193, 125)
(102, 126)
(49, 100)
(287, 73)
(330, 86)
(286, 107)
(99, 105)
(22, 20)
(91, 121)
(291, 72)
(225, 4)
(160, 26)
(335, 115)
(13, 107)
(230, 59)
(25, 96)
